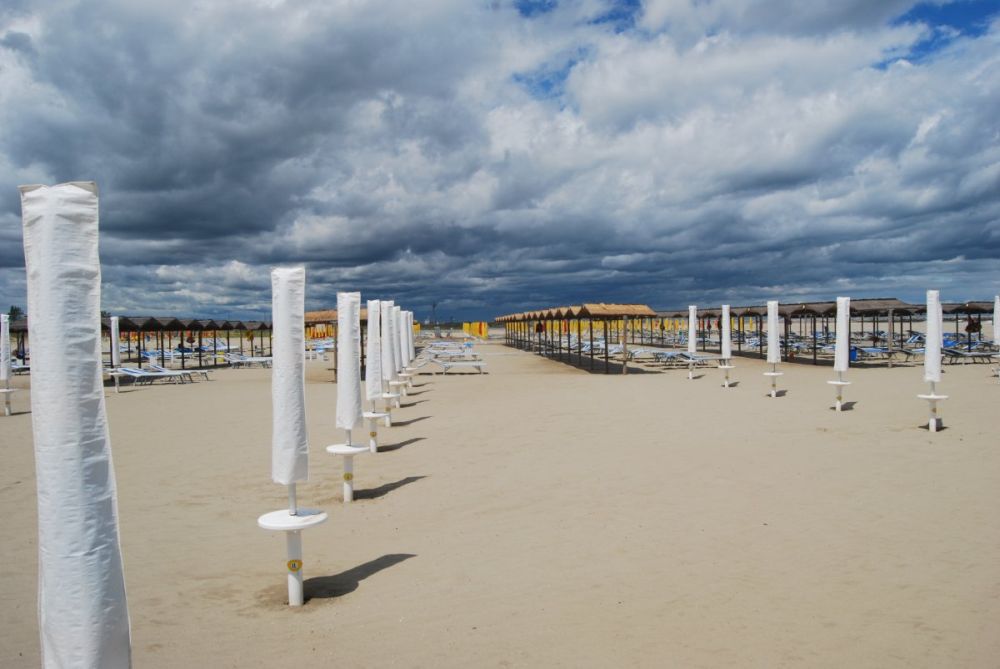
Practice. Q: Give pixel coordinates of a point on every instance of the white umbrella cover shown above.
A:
(397, 339)
(289, 440)
(409, 332)
(692, 329)
(996, 314)
(4, 347)
(373, 352)
(348, 360)
(842, 347)
(82, 611)
(388, 366)
(932, 345)
(116, 351)
(773, 336)
(727, 334)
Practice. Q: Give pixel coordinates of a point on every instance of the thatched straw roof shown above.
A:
(587, 310)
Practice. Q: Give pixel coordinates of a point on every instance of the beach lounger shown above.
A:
(145, 377)
(475, 364)
(189, 372)
(953, 355)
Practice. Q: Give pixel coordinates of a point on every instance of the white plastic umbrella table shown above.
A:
(842, 349)
(349, 409)
(5, 368)
(388, 368)
(726, 364)
(932, 358)
(82, 610)
(773, 346)
(373, 373)
(289, 439)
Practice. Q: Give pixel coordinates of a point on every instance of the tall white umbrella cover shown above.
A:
(5, 368)
(82, 610)
(692, 329)
(348, 360)
(932, 345)
(773, 334)
(727, 333)
(388, 364)
(397, 339)
(289, 440)
(373, 352)
(116, 349)
(842, 347)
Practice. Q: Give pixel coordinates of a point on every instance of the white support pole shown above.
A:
(348, 478)
(296, 595)
(372, 436)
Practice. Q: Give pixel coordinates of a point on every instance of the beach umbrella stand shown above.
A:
(399, 383)
(932, 360)
(842, 350)
(373, 373)
(726, 343)
(773, 347)
(349, 412)
(289, 442)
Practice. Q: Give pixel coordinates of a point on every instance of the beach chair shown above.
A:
(953, 355)
(145, 377)
(188, 372)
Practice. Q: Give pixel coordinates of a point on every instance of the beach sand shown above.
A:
(543, 516)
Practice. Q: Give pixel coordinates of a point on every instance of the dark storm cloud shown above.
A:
(691, 152)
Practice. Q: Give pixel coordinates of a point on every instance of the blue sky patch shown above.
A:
(530, 8)
(969, 18)
(620, 15)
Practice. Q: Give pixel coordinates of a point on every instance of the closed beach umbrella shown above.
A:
(388, 364)
(348, 361)
(773, 336)
(5, 367)
(373, 354)
(409, 333)
(397, 339)
(773, 346)
(996, 314)
(932, 357)
(82, 612)
(692, 329)
(116, 348)
(289, 443)
(727, 344)
(349, 410)
(727, 334)
(932, 345)
(289, 440)
(373, 372)
(842, 349)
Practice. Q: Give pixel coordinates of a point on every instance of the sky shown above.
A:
(492, 156)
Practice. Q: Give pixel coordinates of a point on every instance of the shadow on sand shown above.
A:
(385, 488)
(389, 448)
(404, 423)
(337, 585)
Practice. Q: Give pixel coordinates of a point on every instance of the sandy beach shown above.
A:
(542, 516)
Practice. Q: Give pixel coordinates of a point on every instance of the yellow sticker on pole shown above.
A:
(348, 476)
(294, 565)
